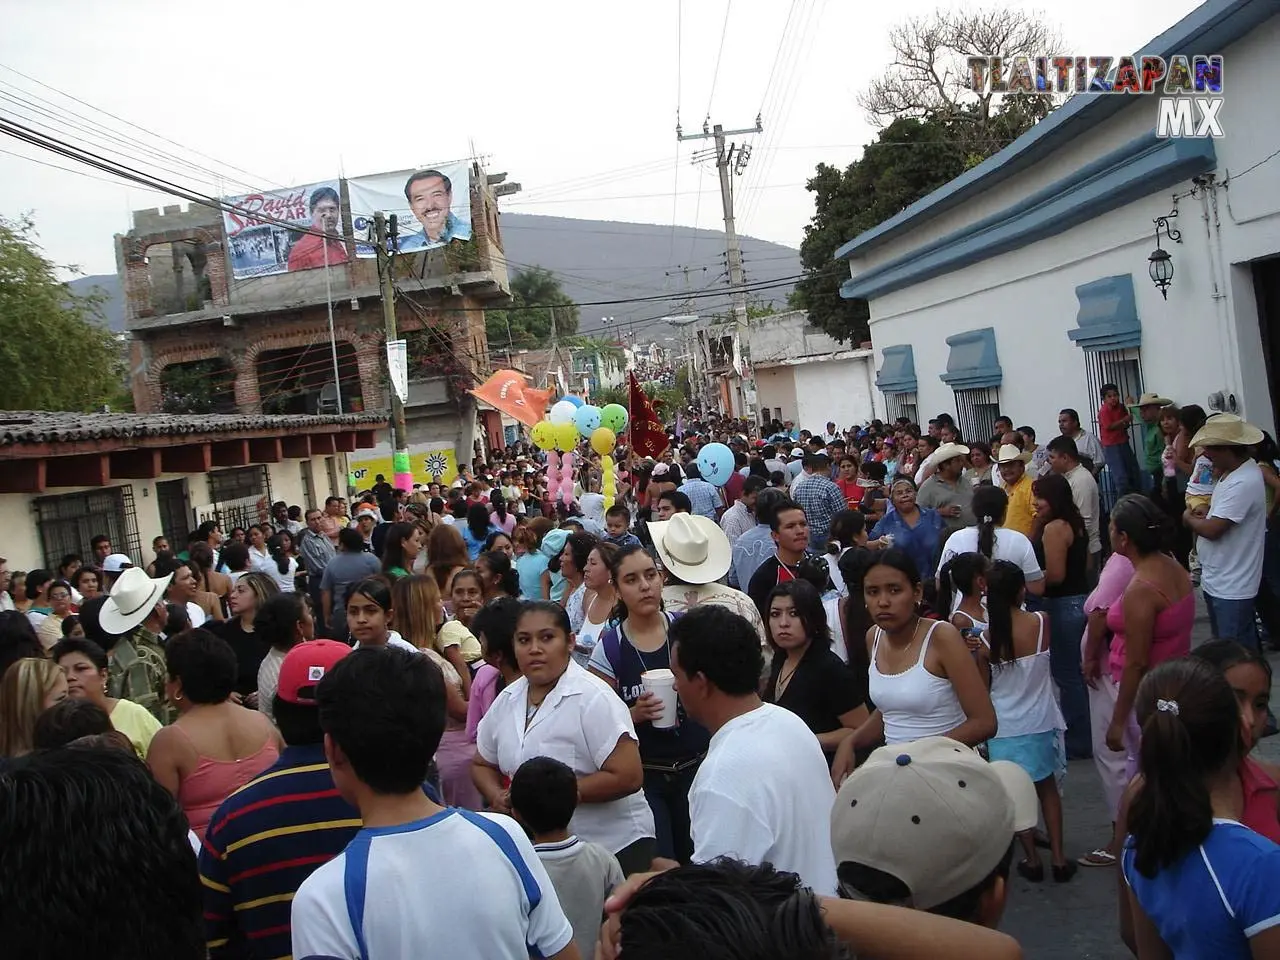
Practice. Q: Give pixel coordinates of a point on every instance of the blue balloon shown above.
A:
(588, 419)
(574, 399)
(715, 463)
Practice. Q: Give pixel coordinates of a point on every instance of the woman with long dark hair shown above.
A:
(495, 626)
(401, 548)
(636, 642)
(1062, 547)
(806, 676)
(1027, 715)
(476, 530)
(1152, 621)
(922, 680)
(283, 622)
(498, 576)
(249, 595)
(283, 567)
(993, 540)
(498, 515)
(447, 554)
(1201, 884)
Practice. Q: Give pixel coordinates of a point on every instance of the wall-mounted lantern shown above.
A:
(1160, 263)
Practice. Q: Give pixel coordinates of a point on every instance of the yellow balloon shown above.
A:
(544, 434)
(608, 501)
(603, 441)
(606, 461)
(566, 435)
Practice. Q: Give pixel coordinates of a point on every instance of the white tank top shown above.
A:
(1023, 694)
(914, 703)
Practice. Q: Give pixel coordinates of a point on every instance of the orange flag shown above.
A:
(648, 438)
(509, 391)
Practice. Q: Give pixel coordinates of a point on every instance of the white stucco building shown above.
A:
(803, 375)
(1022, 285)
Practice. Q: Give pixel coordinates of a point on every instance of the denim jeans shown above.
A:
(668, 797)
(1126, 477)
(1233, 620)
(1066, 627)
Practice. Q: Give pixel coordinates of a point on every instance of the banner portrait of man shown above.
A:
(432, 207)
(268, 232)
(308, 250)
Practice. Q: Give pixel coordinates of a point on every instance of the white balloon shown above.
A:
(562, 412)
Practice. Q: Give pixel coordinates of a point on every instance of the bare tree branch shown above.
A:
(929, 75)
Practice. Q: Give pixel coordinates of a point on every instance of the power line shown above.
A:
(777, 55)
(645, 196)
(715, 75)
(135, 126)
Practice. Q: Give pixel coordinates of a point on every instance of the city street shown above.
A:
(1078, 920)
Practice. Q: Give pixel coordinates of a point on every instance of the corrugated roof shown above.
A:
(19, 427)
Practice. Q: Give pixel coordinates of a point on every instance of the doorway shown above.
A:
(175, 516)
(1266, 287)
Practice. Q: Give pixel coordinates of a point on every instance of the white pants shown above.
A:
(1110, 763)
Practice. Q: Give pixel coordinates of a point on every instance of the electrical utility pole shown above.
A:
(397, 353)
(730, 160)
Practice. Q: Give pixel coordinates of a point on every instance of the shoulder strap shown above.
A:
(612, 644)
(355, 882)
(924, 647)
(1040, 644)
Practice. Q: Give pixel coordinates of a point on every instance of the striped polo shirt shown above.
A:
(265, 839)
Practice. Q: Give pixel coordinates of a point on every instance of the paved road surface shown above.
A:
(1077, 920)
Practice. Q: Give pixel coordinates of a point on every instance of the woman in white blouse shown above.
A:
(558, 710)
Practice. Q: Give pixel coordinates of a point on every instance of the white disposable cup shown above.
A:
(662, 684)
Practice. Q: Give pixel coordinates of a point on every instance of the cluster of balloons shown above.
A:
(571, 418)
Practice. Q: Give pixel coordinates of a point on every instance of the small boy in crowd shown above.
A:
(617, 523)
(931, 825)
(544, 794)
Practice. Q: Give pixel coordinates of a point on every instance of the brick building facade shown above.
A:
(265, 340)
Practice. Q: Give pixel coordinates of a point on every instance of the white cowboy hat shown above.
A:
(132, 599)
(1226, 430)
(694, 548)
(1150, 399)
(1008, 453)
(949, 451)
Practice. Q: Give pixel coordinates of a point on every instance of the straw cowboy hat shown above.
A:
(132, 599)
(1226, 430)
(949, 451)
(1150, 399)
(1008, 453)
(694, 548)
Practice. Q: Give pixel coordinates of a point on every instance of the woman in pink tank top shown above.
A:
(216, 746)
(1152, 621)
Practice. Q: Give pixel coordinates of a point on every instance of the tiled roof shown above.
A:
(41, 426)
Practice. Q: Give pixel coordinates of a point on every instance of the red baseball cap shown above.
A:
(305, 666)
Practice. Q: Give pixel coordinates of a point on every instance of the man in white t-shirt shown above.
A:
(1064, 458)
(383, 713)
(1231, 534)
(763, 794)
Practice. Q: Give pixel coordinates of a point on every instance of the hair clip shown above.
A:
(987, 519)
(1167, 706)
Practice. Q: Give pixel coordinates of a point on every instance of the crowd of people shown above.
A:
(826, 706)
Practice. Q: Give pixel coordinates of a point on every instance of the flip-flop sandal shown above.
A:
(1031, 872)
(1098, 858)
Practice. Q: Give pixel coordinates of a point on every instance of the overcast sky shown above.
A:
(553, 93)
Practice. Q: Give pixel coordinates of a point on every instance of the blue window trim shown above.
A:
(1212, 25)
(1108, 315)
(898, 372)
(1140, 168)
(973, 361)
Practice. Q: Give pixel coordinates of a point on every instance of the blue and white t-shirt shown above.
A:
(382, 896)
(1209, 905)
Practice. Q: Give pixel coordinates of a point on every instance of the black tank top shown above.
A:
(1076, 581)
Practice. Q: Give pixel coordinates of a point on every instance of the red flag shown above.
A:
(648, 439)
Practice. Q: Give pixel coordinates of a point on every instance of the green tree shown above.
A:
(537, 294)
(55, 347)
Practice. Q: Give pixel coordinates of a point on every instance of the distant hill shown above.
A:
(605, 260)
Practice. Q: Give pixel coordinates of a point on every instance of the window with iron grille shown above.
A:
(976, 411)
(902, 405)
(70, 521)
(1123, 368)
(241, 496)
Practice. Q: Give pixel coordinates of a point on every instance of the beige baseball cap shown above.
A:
(932, 813)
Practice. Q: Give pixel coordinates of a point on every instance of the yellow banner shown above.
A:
(429, 465)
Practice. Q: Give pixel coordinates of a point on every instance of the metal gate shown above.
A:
(1124, 369)
(68, 522)
(175, 518)
(976, 411)
(241, 497)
